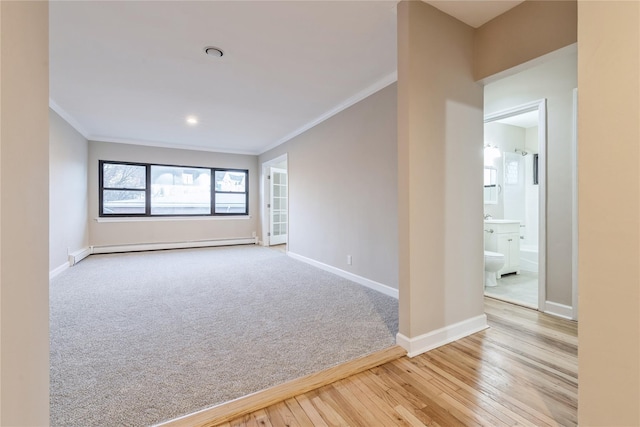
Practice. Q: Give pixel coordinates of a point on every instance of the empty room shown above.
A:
(245, 213)
(218, 198)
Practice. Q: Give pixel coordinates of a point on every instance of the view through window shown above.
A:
(136, 189)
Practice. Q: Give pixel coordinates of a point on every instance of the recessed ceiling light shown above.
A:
(192, 120)
(213, 51)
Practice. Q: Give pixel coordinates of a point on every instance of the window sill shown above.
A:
(172, 218)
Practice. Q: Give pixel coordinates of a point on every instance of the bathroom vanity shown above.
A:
(503, 236)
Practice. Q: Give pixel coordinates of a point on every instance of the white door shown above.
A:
(278, 209)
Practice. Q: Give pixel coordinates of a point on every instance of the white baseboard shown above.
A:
(560, 310)
(171, 245)
(53, 273)
(73, 259)
(439, 337)
(387, 290)
(79, 255)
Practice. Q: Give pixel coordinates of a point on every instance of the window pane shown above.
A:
(123, 176)
(230, 203)
(180, 191)
(123, 202)
(230, 181)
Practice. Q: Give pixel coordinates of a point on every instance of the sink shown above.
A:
(501, 221)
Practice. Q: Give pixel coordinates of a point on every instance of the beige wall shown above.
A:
(68, 221)
(343, 192)
(24, 214)
(527, 31)
(440, 123)
(554, 81)
(609, 212)
(159, 230)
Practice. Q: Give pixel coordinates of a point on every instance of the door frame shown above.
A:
(281, 238)
(265, 196)
(574, 207)
(541, 106)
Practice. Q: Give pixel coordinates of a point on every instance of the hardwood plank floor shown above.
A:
(521, 371)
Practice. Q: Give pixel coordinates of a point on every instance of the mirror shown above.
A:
(490, 185)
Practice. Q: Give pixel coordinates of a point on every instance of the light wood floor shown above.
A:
(521, 371)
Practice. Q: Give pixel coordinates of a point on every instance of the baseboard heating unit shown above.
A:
(77, 256)
(138, 247)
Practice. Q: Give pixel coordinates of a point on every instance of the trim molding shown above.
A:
(265, 195)
(368, 91)
(73, 259)
(68, 118)
(574, 207)
(559, 310)
(423, 343)
(79, 255)
(387, 290)
(171, 245)
(541, 106)
(162, 144)
(254, 402)
(53, 273)
(375, 87)
(159, 218)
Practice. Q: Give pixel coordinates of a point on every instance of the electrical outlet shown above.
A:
(349, 260)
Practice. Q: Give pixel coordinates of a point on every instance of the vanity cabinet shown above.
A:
(503, 236)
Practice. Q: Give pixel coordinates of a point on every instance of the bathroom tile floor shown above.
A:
(516, 288)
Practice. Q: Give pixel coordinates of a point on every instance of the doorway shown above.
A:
(515, 211)
(275, 207)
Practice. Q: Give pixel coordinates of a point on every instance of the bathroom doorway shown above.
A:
(514, 202)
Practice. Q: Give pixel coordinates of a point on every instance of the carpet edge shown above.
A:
(244, 405)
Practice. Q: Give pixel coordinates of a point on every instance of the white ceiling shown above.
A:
(132, 71)
(474, 12)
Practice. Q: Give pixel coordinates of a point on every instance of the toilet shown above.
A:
(493, 261)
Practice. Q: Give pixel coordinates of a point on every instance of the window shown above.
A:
(124, 189)
(138, 189)
(230, 191)
(180, 190)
